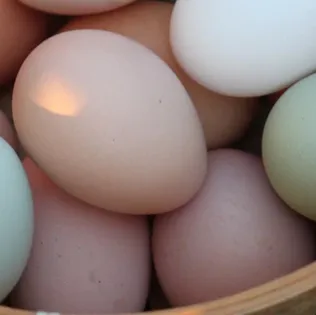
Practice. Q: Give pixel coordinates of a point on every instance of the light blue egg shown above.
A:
(16, 219)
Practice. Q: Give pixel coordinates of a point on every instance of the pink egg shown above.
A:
(84, 259)
(236, 234)
(76, 7)
(110, 123)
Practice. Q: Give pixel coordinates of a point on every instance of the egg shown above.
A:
(234, 235)
(21, 30)
(84, 259)
(75, 7)
(16, 219)
(119, 131)
(289, 146)
(239, 48)
(224, 119)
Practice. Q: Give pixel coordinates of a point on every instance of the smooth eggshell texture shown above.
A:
(239, 48)
(21, 29)
(234, 235)
(224, 119)
(289, 146)
(75, 7)
(84, 259)
(119, 131)
(16, 219)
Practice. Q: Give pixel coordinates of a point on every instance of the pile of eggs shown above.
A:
(153, 154)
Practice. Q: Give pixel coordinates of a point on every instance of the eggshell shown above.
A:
(224, 119)
(21, 29)
(244, 48)
(234, 235)
(119, 131)
(84, 259)
(75, 7)
(289, 147)
(16, 219)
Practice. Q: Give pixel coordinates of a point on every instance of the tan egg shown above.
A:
(21, 29)
(110, 123)
(224, 119)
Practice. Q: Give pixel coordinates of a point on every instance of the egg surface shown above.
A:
(234, 235)
(289, 146)
(224, 119)
(239, 48)
(21, 30)
(75, 7)
(16, 219)
(118, 129)
(84, 259)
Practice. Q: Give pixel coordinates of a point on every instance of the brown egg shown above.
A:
(236, 234)
(224, 119)
(21, 29)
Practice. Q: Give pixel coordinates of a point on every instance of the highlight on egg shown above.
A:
(119, 132)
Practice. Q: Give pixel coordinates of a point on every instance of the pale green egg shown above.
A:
(289, 147)
(16, 219)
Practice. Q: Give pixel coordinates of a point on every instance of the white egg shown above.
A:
(245, 47)
(16, 219)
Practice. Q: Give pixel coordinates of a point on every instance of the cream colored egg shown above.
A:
(289, 146)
